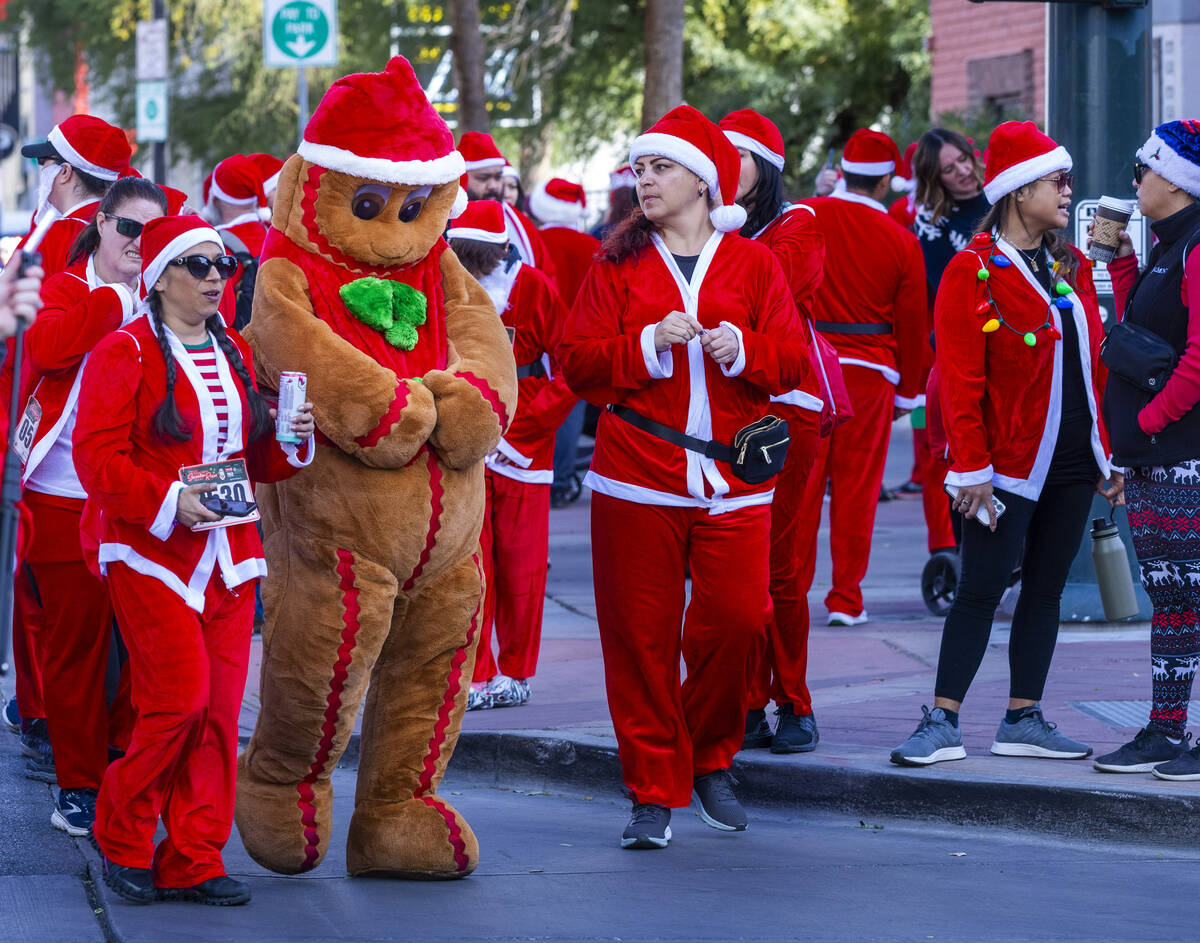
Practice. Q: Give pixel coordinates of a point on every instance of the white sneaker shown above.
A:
(478, 699)
(844, 619)
(507, 692)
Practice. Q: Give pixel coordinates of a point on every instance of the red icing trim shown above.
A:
(390, 418)
(436, 494)
(455, 836)
(486, 391)
(333, 703)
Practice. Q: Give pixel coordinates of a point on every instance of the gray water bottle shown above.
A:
(1112, 571)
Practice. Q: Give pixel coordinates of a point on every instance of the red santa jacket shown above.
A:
(534, 314)
(904, 211)
(874, 275)
(78, 311)
(523, 234)
(1001, 399)
(132, 475)
(608, 356)
(572, 252)
(56, 245)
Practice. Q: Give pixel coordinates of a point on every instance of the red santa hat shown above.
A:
(870, 154)
(1017, 154)
(269, 166)
(169, 237)
(510, 171)
(904, 180)
(479, 151)
(481, 221)
(622, 177)
(88, 144)
(238, 181)
(558, 201)
(685, 136)
(206, 189)
(755, 133)
(176, 199)
(381, 126)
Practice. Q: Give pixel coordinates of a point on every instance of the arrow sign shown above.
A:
(300, 32)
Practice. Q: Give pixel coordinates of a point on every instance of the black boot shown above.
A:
(133, 884)
(221, 891)
(758, 731)
(794, 734)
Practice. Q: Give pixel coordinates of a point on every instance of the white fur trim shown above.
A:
(181, 243)
(477, 235)
(660, 366)
(1027, 171)
(907, 402)
(483, 164)
(681, 151)
(164, 520)
(728, 218)
(639, 494)
(1170, 165)
(272, 182)
(755, 146)
(215, 190)
(739, 362)
(460, 203)
(980, 476)
(550, 209)
(875, 169)
(415, 172)
(77, 160)
(264, 214)
(800, 399)
(510, 171)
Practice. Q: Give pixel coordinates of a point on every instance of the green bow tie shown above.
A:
(389, 306)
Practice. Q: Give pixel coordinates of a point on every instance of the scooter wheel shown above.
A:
(939, 581)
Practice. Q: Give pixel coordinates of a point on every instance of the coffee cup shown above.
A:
(1112, 216)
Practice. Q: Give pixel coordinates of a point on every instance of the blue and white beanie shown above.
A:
(1173, 152)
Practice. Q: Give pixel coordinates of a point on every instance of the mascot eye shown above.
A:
(369, 201)
(411, 210)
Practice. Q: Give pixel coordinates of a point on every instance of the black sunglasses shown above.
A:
(1139, 171)
(1064, 181)
(129, 228)
(198, 265)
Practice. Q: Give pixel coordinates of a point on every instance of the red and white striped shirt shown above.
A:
(205, 358)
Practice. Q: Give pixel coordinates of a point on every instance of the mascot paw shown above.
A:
(418, 839)
(285, 827)
(471, 417)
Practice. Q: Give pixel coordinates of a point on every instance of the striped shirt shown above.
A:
(204, 356)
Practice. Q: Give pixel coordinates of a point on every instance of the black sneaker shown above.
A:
(35, 737)
(41, 769)
(719, 807)
(1141, 754)
(75, 811)
(758, 731)
(222, 891)
(794, 734)
(649, 827)
(1183, 768)
(133, 884)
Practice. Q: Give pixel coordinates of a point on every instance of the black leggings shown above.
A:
(1050, 530)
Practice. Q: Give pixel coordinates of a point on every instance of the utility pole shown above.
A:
(159, 12)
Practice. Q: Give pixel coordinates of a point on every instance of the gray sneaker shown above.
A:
(507, 692)
(934, 740)
(718, 805)
(478, 700)
(1033, 735)
(1183, 768)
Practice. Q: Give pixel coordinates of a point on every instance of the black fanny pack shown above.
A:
(757, 454)
(1138, 355)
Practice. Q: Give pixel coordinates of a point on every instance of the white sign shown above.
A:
(151, 50)
(300, 32)
(151, 111)
(1138, 229)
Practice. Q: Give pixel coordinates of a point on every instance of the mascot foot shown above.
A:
(418, 839)
(285, 827)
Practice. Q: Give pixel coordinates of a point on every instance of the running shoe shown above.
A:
(934, 740)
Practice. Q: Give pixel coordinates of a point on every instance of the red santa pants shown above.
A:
(852, 461)
(26, 643)
(667, 732)
(938, 528)
(187, 671)
(514, 543)
(73, 643)
(782, 672)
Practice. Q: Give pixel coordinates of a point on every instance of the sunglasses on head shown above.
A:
(129, 228)
(198, 265)
(1064, 181)
(1139, 171)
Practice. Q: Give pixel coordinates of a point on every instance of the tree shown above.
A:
(663, 58)
(470, 59)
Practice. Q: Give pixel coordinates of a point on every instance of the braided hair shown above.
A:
(167, 422)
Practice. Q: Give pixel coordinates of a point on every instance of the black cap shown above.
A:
(40, 149)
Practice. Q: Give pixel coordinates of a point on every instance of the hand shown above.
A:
(826, 180)
(1115, 493)
(1124, 247)
(500, 458)
(189, 510)
(721, 344)
(972, 497)
(675, 328)
(303, 423)
(20, 297)
(899, 412)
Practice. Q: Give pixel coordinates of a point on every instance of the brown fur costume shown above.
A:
(373, 551)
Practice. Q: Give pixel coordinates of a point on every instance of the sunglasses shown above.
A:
(1064, 181)
(1139, 171)
(129, 228)
(198, 265)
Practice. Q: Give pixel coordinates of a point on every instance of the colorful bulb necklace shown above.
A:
(988, 308)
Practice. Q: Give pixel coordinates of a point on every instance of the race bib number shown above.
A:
(228, 487)
(27, 429)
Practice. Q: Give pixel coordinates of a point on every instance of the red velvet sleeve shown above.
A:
(801, 253)
(72, 321)
(1182, 390)
(910, 313)
(1124, 273)
(776, 347)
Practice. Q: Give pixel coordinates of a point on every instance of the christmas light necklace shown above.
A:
(985, 241)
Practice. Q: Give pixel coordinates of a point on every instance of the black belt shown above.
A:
(714, 450)
(842, 327)
(535, 369)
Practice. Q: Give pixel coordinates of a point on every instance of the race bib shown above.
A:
(228, 492)
(27, 429)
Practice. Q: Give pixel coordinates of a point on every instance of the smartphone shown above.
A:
(982, 514)
(229, 508)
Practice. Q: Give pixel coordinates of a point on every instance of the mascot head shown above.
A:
(375, 179)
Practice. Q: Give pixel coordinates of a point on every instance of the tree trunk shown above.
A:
(664, 59)
(466, 44)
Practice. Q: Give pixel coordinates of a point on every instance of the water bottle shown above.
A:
(1112, 571)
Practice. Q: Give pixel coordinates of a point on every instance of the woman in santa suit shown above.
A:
(94, 296)
(1018, 335)
(683, 327)
(790, 231)
(169, 390)
(516, 525)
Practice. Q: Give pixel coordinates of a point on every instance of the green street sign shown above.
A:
(300, 32)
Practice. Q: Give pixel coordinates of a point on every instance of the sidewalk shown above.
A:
(868, 684)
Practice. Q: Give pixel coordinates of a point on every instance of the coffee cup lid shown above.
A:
(1116, 203)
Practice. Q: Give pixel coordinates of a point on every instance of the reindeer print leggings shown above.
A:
(1164, 517)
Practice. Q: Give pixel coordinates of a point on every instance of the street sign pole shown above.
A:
(160, 147)
(302, 100)
(297, 34)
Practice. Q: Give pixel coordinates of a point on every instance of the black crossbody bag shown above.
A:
(1138, 355)
(756, 455)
